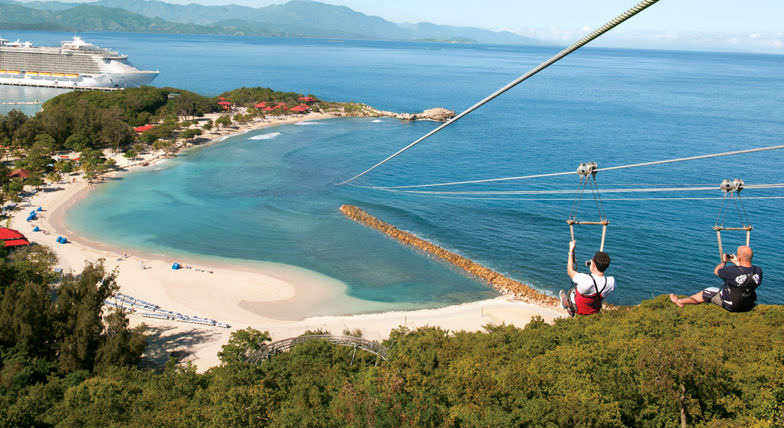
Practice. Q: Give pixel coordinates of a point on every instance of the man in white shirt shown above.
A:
(589, 290)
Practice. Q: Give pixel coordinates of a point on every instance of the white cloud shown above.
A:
(677, 40)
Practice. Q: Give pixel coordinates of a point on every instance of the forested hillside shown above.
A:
(652, 365)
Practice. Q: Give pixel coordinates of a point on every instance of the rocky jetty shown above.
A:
(501, 283)
(437, 114)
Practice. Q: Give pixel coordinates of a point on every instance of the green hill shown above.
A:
(300, 18)
(94, 18)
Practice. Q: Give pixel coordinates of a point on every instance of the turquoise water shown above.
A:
(273, 198)
(270, 199)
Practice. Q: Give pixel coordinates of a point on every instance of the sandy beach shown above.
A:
(264, 296)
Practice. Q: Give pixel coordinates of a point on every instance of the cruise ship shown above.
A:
(76, 64)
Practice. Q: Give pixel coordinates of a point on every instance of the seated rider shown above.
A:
(589, 290)
(740, 283)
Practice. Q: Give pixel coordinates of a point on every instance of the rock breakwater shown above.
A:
(501, 283)
(438, 114)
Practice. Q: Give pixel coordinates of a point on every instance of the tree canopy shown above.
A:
(64, 364)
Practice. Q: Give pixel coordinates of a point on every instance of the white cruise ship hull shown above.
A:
(75, 64)
(83, 81)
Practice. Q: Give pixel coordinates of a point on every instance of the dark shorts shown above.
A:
(713, 295)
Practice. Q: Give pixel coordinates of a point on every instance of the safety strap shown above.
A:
(596, 287)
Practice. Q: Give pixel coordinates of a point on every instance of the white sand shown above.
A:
(265, 296)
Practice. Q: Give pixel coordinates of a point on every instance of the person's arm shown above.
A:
(725, 258)
(570, 263)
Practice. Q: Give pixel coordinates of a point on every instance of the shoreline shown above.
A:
(260, 295)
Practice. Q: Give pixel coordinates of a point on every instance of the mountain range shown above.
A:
(297, 18)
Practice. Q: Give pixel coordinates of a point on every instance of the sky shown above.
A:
(755, 25)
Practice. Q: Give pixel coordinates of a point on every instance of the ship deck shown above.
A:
(70, 88)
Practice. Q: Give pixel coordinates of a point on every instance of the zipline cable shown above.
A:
(580, 43)
(555, 174)
(570, 192)
(690, 198)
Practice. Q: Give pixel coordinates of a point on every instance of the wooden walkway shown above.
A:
(271, 349)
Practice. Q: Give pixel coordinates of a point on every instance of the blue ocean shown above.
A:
(271, 195)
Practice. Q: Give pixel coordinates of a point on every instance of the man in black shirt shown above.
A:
(740, 281)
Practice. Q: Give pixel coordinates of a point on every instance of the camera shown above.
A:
(588, 263)
(728, 257)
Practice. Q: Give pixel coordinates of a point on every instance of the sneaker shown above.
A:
(565, 302)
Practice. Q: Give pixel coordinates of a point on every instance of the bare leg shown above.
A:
(691, 300)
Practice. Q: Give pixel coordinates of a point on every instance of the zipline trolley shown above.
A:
(587, 172)
(731, 189)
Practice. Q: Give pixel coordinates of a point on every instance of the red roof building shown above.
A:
(140, 129)
(21, 173)
(261, 105)
(307, 99)
(12, 238)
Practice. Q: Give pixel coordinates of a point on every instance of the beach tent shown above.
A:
(175, 266)
(36, 229)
